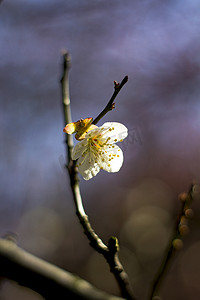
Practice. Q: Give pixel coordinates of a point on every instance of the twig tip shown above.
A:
(125, 79)
(67, 58)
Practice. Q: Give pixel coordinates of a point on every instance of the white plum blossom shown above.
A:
(98, 150)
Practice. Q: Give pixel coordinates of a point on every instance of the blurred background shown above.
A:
(157, 44)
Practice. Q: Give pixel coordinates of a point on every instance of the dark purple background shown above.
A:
(155, 43)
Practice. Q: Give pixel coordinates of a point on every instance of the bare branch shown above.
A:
(66, 99)
(110, 105)
(175, 243)
(43, 277)
(109, 252)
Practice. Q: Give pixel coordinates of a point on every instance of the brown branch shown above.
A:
(109, 252)
(175, 243)
(110, 105)
(46, 279)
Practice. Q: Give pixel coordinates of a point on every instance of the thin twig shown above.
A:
(110, 105)
(175, 243)
(66, 100)
(44, 278)
(109, 252)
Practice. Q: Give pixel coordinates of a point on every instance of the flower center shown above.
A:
(96, 143)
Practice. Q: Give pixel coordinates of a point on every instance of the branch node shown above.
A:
(116, 84)
(113, 244)
(113, 106)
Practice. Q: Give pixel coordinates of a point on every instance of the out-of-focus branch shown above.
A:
(46, 279)
(109, 252)
(66, 100)
(175, 243)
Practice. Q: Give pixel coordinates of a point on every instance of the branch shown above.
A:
(43, 277)
(175, 243)
(111, 105)
(109, 252)
(66, 100)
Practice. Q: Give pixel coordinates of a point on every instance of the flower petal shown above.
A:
(79, 149)
(98, 151)
(111, 160)
(70, 128)
(116, 132)
(87, 166)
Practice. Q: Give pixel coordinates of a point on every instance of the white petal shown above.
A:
(79, 149)
(87, 166)
(112, 159)
(115, 131)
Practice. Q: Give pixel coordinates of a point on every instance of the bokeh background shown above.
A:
(157, 44)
